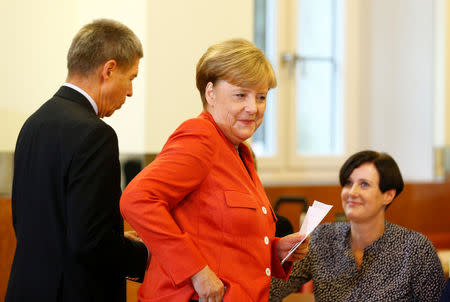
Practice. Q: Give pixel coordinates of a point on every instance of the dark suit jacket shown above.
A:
(65, 203)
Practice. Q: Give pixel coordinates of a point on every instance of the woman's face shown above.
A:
(362, 199)
(238, 111)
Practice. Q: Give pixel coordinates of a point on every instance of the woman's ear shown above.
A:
(389, 196)
(210, 94)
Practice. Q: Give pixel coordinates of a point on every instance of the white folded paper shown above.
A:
(315, 214)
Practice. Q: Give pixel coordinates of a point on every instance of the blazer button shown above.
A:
(268, 272)
(266, 240)
(264, 210)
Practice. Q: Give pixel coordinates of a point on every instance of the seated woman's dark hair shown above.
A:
(388, 171)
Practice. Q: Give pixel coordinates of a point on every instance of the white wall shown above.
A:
(398, 81)
(179, 33)
(174, 33)
(34, 45)
(130, 120)
(395, 61)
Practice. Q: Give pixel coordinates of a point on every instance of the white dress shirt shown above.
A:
(91, 100)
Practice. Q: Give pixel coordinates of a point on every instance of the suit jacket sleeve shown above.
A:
(148, 200)
(94, 225)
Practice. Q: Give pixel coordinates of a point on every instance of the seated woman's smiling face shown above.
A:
(238, 111)
(361, 196)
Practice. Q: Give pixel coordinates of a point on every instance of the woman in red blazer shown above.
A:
(199, 206)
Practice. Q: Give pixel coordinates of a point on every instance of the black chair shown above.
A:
(131, 168)
(284, 226)
(445, 297)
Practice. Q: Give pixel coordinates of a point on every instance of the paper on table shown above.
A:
(313, 217)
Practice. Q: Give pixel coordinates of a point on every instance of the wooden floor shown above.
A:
(132, 288)
(7, 244)
(299, 298)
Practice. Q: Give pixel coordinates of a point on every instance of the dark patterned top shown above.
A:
(402, 265)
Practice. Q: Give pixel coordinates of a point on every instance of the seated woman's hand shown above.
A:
(287, 242)
(208, 287)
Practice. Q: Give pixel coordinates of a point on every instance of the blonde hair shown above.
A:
(237, 61)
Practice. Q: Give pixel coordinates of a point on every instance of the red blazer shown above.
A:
(197, 204)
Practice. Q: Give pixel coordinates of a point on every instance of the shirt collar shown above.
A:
(91, 100)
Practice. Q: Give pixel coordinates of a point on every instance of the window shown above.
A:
(264, 139)
(317, 79)
(303, 127)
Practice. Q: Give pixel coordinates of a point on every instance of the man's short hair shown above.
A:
(100, 41)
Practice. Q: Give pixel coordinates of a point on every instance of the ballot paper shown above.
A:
(313, 217)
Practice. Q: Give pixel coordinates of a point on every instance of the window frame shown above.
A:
(286, 166)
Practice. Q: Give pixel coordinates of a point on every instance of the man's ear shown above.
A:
(389, 196)
(108, 69)
(210, 93)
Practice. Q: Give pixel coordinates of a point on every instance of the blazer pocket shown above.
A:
(240, 215)
(236, 199)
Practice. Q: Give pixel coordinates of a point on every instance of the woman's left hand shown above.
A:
(287, 242)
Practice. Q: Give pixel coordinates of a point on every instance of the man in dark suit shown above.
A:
(66, 188)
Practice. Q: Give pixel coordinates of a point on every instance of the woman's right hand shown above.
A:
(208, 287)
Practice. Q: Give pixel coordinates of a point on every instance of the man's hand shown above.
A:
(287, 242)
(133, 235)
(208, 287)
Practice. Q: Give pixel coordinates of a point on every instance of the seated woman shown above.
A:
(367, 258)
